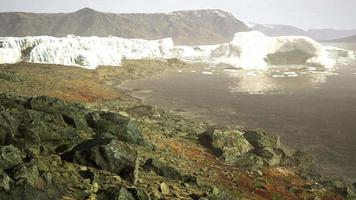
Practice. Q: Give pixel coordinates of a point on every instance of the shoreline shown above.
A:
(180, 149)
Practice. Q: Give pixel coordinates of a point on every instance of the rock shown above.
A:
(338, 186)
(115, 194)
(8, 126)
(164, 188)
(221, 195)
(42, 124)
(5, 181)
(259, 139)
(271, 156)
(139, 194)
(95, 187)
(10, 156)
(226, 144)
(47, 177)
(249, 161)
(269, 148)
(305, 163)
(167, 171)
(72, 114)
(28, 174)
(106, 154)
(141, 111)
(119, 126)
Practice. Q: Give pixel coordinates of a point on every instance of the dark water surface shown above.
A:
(312, 111)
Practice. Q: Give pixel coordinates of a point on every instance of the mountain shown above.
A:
(330, 34)
(346, 39)
(278, 30)
(316, 34)
(184, 27)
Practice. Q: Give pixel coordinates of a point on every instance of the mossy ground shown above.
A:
(175, 138)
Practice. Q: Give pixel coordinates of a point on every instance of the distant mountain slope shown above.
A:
(185, 27)
(316, 34)
(330, 34)
(278, 30)
(346, 39)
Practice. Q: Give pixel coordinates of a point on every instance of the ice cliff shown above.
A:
(88, 52)
(248, 50)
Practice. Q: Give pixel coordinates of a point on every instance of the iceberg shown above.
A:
(248, 50)
(254, 50)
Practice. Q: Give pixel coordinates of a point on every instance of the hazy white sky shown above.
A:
(306, 14)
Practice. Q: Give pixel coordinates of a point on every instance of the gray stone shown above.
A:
(121, 127)
(28, 174)
(106, 154)
(259, 139)
(227, 144)
(112, 193)
(164, 188)
(249, 161)
(5, 181)
(10, 156)
(167, 171)
(139, 194)
(269, 155)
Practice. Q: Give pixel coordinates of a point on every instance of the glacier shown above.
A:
(247, 50)
(88, 52)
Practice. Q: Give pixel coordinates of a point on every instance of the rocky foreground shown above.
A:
(107, 145)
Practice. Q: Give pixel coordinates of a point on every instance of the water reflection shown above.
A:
(276, 80)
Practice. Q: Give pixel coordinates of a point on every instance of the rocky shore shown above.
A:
(104, 144)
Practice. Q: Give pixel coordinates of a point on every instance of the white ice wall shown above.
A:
(248, 50)
(88, 52)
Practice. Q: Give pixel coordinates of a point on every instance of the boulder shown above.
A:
(269, 148)
(72, 114)
(112, 193)
(249, 161)
(106, 154)
(42, 124)
(259, 139)
(167, 171)
(5, 181)
(28, 174)
(116, 125)
(10, 156)
(8, 126)
(227, 144)
(271, 156)
(339, 186)
(139, 194)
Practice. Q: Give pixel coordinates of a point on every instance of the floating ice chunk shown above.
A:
(254, 50)
(292, 75)
(207, 73)
(278, 76)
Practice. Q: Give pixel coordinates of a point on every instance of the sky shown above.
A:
(306, 14)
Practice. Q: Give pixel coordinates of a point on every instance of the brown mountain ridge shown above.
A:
(185, 27)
